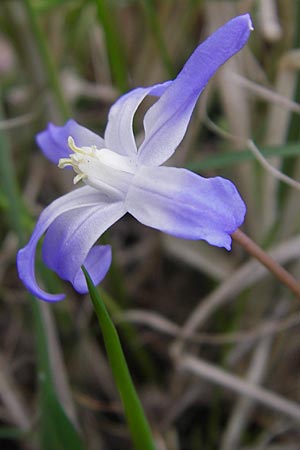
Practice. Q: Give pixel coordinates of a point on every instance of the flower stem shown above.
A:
(258, 253)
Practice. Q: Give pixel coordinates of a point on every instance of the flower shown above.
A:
(120, 178)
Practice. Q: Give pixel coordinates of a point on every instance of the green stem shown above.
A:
(294, 133)
(9, 186)
(129, 333)
(230, 158)
(113, 43)
(152, 17)
(60, 431)
(49, 69)
(138, 424)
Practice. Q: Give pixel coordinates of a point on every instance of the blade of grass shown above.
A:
(152, 17)
(138, 424)
(132, 339)
(114, 45)
(294, 132)
(57, 430)
(68, 436)
(47, 5)
(229, 159)
(46, 61)
(13, 205)
(11, 433)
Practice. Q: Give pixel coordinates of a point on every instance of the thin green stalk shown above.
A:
(50, 71)
(152, 17)
(57, 430)
(294, 132)
(230, 158)
(113, 43)
(9, 186)
(138, 424)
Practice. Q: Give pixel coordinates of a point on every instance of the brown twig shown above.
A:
(258, 253)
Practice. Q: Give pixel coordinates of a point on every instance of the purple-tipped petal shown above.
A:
(80, 198)
(186, 205)
(166, 121)
(54, 140)
(71, 236)
(119, 135)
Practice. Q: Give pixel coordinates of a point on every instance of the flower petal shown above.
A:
(98, 253)
(76, 199)
(54, 140)
(119, 135)
(186, 205)
(166, 121)
(71, 236)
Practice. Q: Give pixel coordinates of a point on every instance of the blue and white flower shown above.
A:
(121, 178)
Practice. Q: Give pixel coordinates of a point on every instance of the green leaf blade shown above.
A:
(138, 424)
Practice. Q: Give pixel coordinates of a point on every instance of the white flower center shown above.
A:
(102, 168)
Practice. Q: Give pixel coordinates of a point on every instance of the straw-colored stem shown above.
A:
(220, 377)
(258, 253)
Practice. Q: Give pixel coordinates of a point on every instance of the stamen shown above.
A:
(79, 177)
(64, 162)
(90, 151)
(98, 167)
(73, 146)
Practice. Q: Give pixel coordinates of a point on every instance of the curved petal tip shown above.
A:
(247, 17)
(27, 276)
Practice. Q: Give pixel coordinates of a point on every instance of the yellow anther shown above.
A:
(85, 151)
(78, 178)
(73, 146)
(64, 162)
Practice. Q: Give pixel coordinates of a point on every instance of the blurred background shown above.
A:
(211, 338)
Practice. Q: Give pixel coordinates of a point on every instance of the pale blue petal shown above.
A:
(77, 199)
(186, 205)
(167, 120)
(71, 236)
(54, 140)
(119, 135)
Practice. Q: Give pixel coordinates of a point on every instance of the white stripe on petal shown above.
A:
(186, 205)
(119, 135)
